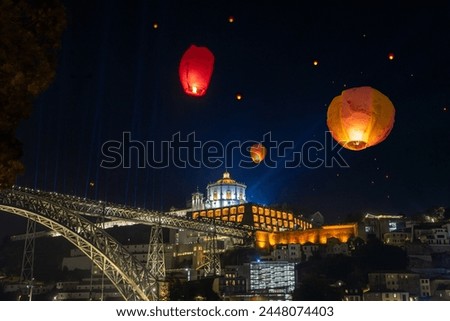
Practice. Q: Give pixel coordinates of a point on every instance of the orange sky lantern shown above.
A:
(196, 67)
(360, 117)
(258, 153)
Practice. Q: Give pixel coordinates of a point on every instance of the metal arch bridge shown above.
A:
(64, 214)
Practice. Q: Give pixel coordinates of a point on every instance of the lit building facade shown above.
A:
(387, 296)
(379, 224)
(397, 238)
(260, 217)
(233, 281)
(437, 237)
(288, 252)
(343, 232)
(393, 286)
(273, 279)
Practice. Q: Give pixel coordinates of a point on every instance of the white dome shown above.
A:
(225, 192)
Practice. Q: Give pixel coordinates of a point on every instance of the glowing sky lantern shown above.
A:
(360, 117)
(257, 153)
(196, 67)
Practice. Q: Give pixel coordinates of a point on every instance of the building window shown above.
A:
(228, 195)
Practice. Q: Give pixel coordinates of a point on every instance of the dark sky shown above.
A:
(118, 74)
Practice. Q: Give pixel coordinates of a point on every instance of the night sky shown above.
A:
(117, 73)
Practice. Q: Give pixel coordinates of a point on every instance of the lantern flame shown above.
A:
(355, 135)
(356, 141)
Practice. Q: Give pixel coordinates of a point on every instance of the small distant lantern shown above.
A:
(315, 62)
(258, 153)
(230, 19)
(155, 25)
(196, 67)
(360, 117)
(238, 96)
(391, 56)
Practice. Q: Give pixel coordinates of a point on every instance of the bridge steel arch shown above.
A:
(130, 277)
(88, 207)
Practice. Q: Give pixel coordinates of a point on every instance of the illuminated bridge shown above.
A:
(66, 215)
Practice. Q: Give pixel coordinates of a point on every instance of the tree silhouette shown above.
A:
(30, 32)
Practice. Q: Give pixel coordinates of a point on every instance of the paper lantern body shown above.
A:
(258, 153)
(360, 117)
(195, 70)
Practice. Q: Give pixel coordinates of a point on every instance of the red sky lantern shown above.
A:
(360, 117)
(196, 67)
(258, 153)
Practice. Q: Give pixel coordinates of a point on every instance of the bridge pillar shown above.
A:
(212, 265)
(156, 262)
(27, 272)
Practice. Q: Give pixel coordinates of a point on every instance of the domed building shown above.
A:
(225, 192)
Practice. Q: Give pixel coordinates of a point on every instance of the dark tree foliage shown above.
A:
(30, 33)
(49, 253)
(239, 256)
(190, 291)
(320, 277)
(316, 289)
(376, 256)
